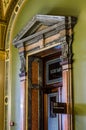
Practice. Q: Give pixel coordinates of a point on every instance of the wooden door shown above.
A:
(52, 91)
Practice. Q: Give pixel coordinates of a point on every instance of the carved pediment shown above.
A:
(44, 32)
(37, 24)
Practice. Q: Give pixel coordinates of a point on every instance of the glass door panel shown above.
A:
(52, 117)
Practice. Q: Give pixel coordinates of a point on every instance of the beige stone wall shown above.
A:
(2, 69)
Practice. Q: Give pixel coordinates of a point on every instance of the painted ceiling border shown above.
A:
(14, 14)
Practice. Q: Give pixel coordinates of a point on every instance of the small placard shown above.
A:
(53, 71)
(59, 107)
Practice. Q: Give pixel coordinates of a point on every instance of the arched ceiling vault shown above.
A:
(6, 8)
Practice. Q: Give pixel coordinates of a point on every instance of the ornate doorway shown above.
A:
(45, 48)
(45, 85)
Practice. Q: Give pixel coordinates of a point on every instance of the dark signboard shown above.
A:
(53, 71)
(59, 107)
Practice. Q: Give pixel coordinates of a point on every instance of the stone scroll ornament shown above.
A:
(23, 64)
(67, 45)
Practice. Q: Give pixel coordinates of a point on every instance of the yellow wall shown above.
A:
(65, 7)
(79, 72)
(2, 67)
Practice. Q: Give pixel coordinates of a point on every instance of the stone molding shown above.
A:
(58, 31)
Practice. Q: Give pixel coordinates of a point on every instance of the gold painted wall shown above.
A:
(2, 67)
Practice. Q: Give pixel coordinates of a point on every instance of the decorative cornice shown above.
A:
(36, 20)
(59, 32)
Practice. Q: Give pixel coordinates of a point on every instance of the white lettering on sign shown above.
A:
(55, 70)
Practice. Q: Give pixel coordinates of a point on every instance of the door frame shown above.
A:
(56, 30)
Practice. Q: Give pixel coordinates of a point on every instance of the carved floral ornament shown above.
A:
(8, 7)
(6, 2)
(58, 31)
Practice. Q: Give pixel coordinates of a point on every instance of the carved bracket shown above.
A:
(23, 64)
(23, 61)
